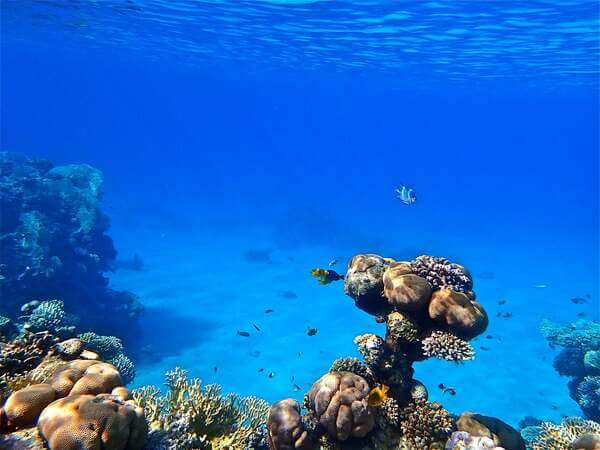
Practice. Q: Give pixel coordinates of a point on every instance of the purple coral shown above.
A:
(441, 273)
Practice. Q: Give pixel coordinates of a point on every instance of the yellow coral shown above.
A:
(201, 414)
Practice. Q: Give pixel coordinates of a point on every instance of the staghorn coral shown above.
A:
(101, 421)
(441, 273)
(200, 415)
(339, 402)
(446, 346)
(355, 366)
(425, 423)
(50, 316)
(552, 436)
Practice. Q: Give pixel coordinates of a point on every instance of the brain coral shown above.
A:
(85, 377)
(464, 317)
(284, 424)
(364, 282)
(339, 402)
(24, 406)
(404, 290)
(87, 422)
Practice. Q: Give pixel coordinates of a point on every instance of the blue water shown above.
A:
(228, 126)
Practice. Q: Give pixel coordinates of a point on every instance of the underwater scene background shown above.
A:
(244, 143)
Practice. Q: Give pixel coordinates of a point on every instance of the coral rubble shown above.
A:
(53, 244)
(578, 359)
(429, 308)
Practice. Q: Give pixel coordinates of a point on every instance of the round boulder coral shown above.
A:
(404, 290)
(364, 283)
(284, 424)
(85, 377)
(464, 317)
(87, 422)
(23, 407)
(501, 433)
(339, 402)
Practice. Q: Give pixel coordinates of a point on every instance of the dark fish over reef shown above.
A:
(243, 333)
(326, 276)
(447, 389)
(578, 300)
(268, 311)
(406, 195)
(256, 327)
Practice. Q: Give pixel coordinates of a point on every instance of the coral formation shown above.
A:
(573, 432)
(50, 316)
(23, 354)
(101, 421)
(110, 349)
(443, 345)
(578, 359)
(461, 440)
(429, 310)
(284, 424)
(53, 242)
(502, 434)
(191, 415)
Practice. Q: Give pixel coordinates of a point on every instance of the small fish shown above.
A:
(261, 370)
(447, 389)
(255, 353)
(269, 311)
(581, 314)
(578, 300)
(555, 408)
(288, 294)
(311, 331)
(489, 336)
(540, 286)
(406, 195)
(215, 369)
(293, 378)
(326, 276)
(485, 349)
(243, 333)
(300, 354)
(501, 301)
(256, 327)
(295, 387)
(271, 374)
(378, 395)
(332, 263)
(507, 315)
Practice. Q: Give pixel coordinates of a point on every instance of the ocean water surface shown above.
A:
(244, 143)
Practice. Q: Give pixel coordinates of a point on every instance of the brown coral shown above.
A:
(446, 346)
(401, 329)
(85, 377)
(339, 402)
(484, 426)
(455, 310)
(23, 407)
(424, 424)
(22, 355)
(404, 290)
(90, 422)
(285, 428)
(364, 283)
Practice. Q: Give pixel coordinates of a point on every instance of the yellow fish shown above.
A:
(325, 276)
(378, 395)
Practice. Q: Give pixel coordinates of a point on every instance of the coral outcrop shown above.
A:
(502, 434)
(191, 415)
(579, 360)
(53, 244)
(429, 309)
(572, 433)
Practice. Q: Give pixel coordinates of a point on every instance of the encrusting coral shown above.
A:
(190, 415)
(429, 309)
(578, 359)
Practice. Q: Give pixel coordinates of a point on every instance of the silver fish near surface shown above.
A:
(406, 195)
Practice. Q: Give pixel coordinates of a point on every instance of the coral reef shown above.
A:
(578, 359)
(53, 243)
(573, 432)
(50, 316)
(429, 310)
(110, 349)
(461, 440)
(191, 415)
(443, 345)
(502, 434)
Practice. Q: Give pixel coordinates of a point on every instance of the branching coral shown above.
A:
(552, 436)
(50, 316)
(442, 273)
(201, 415)
(442, 345)
(425, 423)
